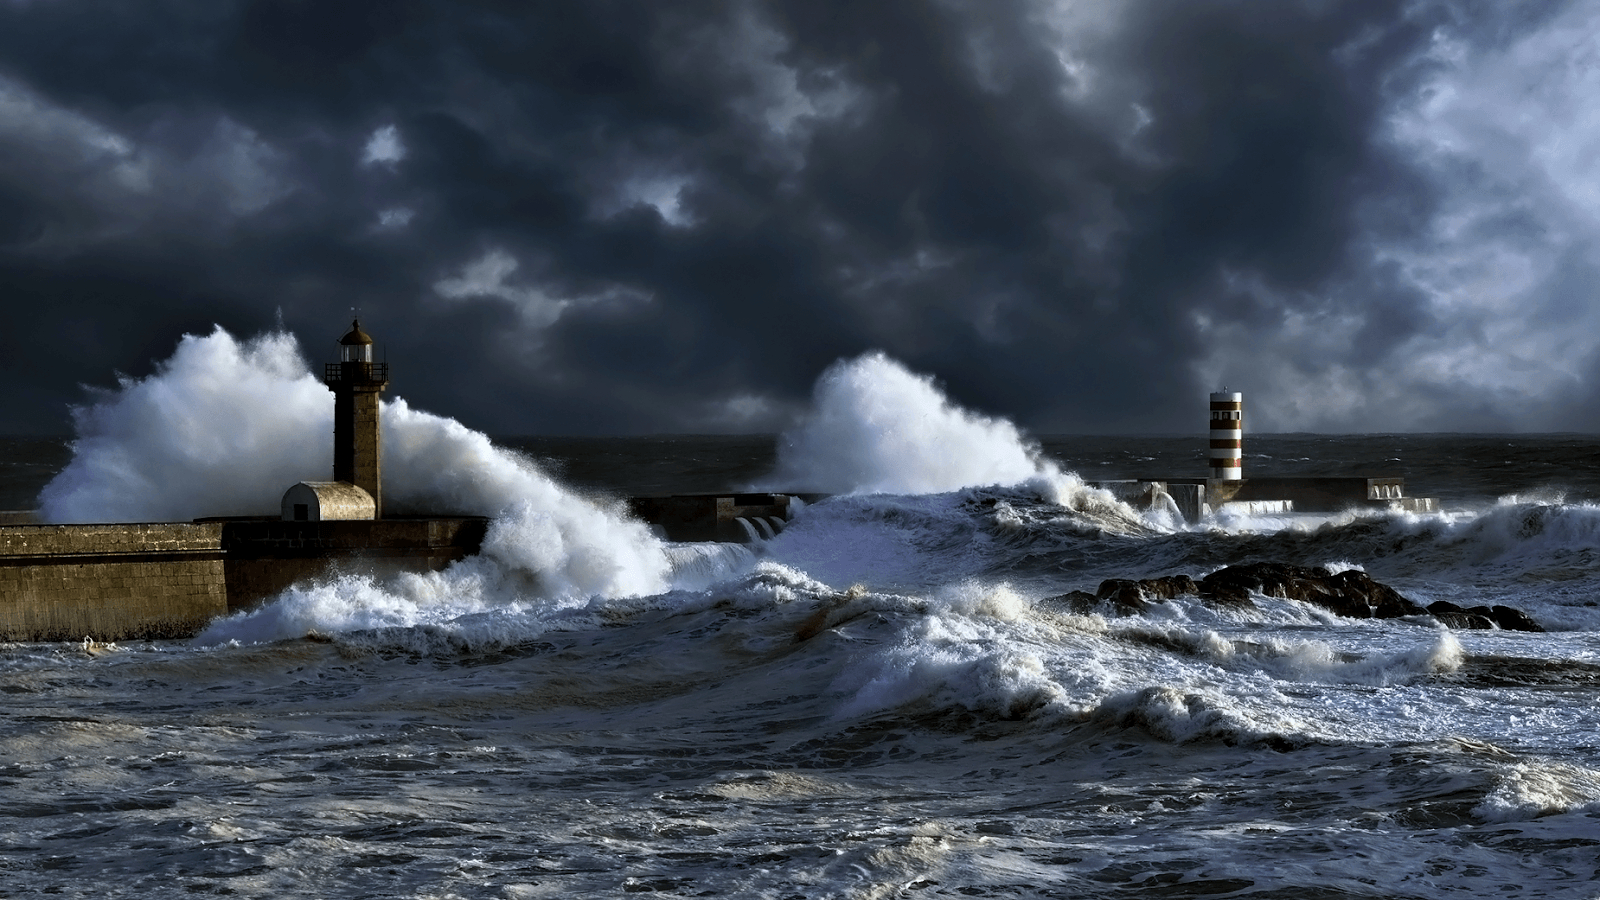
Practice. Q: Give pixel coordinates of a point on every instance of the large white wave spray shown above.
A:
(878, 427)
(224, 427)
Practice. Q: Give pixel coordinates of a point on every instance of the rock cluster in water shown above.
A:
(1351, 593)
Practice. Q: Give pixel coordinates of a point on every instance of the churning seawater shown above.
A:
(882, 701)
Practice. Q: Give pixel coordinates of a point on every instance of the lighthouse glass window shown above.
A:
(357, 353)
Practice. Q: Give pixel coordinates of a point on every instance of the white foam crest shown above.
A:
(482, 602)
(570, 548)
(1177, 715)
(1234, 520)
(1246, 521)
(877, 427)
(1301, 660)
(1514, 529)
(880, 542)
(533, 563)
(356, 603)
(1530, 529)
(698, 566)
(1530, 790)
(996, 602)
(1316, 661)
(1009, 684)
(961, 652)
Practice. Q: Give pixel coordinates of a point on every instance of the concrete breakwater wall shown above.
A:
(262, 557)
(110, 582)
(737, 518)
(167, 580)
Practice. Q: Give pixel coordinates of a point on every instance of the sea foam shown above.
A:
(223, 427)
(877, 427)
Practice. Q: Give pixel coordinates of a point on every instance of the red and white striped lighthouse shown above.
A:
(1227, 436)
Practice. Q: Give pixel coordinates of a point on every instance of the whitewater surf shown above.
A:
(888, 698)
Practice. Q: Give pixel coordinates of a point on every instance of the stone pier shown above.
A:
(168, 580)
(110, 582)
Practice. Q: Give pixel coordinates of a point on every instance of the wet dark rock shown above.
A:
(1482, 617)
(1080, 602)
(1513, 619)
(1127, 597)
(1454, 616)
(1350, 593)
(1122, 594)
(1168, 587)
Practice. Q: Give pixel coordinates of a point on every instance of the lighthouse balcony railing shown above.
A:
(364, 373)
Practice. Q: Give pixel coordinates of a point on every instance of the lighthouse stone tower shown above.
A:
(356, 382)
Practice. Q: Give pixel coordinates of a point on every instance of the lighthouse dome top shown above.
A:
(356, 335)
(355, 346)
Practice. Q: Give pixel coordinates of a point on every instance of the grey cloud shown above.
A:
(634, 217)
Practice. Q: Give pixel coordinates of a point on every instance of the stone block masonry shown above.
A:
(110, 582)
(733, 517)
(265, 556)
(161, 580)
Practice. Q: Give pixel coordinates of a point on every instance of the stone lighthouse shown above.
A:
(356, 382)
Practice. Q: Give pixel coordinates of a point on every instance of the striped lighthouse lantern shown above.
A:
(1227, 436)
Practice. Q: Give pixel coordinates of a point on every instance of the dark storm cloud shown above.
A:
(633, 216)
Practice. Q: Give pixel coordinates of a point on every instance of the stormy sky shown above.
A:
(636, 217)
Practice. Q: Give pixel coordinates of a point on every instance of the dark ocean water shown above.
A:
(883, 701)
(1457, 468)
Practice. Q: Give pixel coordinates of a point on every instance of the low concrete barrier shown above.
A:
(167, 580)
(110, 582)
(262, 557)
(716, 517)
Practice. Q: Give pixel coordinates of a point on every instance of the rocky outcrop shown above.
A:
(1351, 593)
(1503, 617)
(1129, 597)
